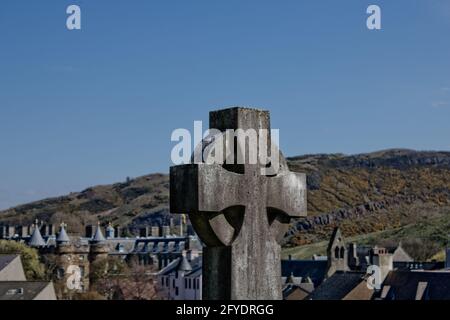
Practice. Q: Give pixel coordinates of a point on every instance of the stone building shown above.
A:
(342, 275)
(337, 253)
(182, 278)
(72, 256)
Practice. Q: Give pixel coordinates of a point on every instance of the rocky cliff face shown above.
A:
(370, 192)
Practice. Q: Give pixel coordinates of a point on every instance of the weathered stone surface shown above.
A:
(240, 215)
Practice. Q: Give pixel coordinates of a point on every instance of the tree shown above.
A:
(34, 269)
(105, 275)
(116, 280)
(139, 283)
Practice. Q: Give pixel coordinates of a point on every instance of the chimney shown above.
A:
(117, 232)
(384, 260)
(155, 231)
(143, 232)
(43, 229)
(353, 260)
(22, 231)
(165, 231)
(189, 255)
(3, 232)
(11, 231)
(29, 230)
(89, 231)
(110, 232)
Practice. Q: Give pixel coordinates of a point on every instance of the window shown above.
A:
(176, 291)
(189, 283)
(173, 283)
(342, 252)
(185, 282)
(336, 253)
(167, 282)
(12, 292)
(81, 271)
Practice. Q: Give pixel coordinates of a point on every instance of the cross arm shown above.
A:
(292, 198)
(203, 188)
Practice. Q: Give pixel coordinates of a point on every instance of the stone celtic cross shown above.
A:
(240, 215)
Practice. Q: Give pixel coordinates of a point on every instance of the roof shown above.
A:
(404, 285)
(295, 292)
(314, 269)
(21, 290)
(62, 235)
(98, 236)
(6, 259)
(36, 239)
(169, 268)
(196, 267)
(184, 265)
(338, 286)
(336, 238)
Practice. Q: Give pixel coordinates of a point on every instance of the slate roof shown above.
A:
(21, 290)
(6, 259)
(196, 267)
(98, 236)
(404, 284)
(160, 245)
(36, 239)
(62, 236)
(184, 265)
(314, 269)
(295, 292)
(337, 286)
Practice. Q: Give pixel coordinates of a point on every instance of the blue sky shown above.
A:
(80, 108)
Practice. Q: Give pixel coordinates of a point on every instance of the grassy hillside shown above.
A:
(423, 240)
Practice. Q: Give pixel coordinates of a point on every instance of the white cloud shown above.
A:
(440, 104)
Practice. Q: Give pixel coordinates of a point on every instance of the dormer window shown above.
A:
(12, 292)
